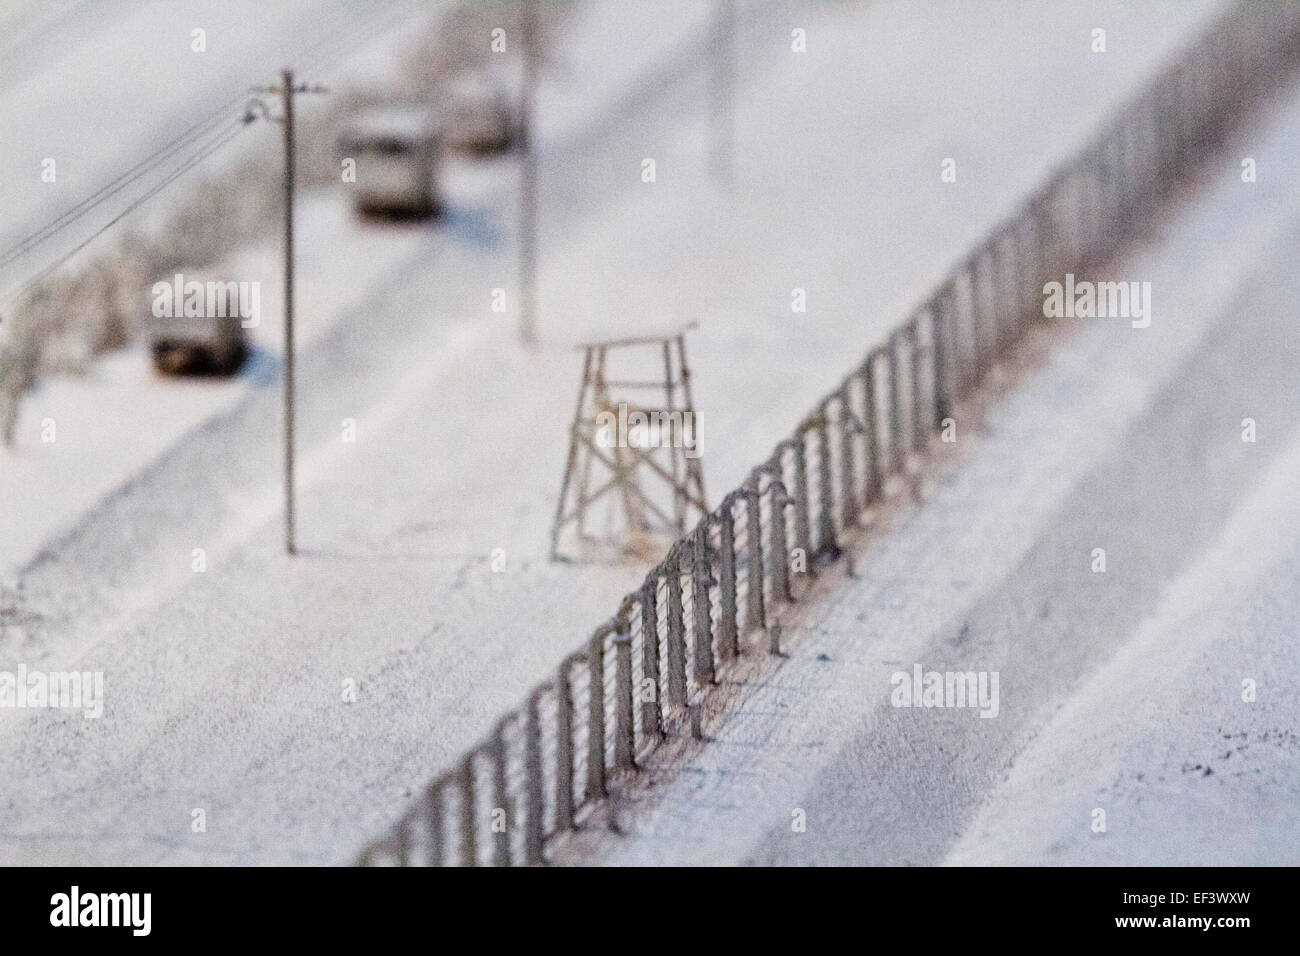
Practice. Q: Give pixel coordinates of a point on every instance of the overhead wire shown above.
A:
(334, 45)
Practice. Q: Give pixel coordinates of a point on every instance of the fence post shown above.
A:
(1112, 167)
(848, 479)
(436, 809)
(780, 555)
(468, 836)
(1105, 192)
(1027, 272)
(1016, 279)
(1004, 264)
(624, 739)
(939, 315)
(564, 746)
(985, 337)
(875, 476)
(651, 714)
(1143, 146)
(1124, 174)
(896, 451)
(676, 629)
(755, 610)
(914, 364)
(971, 315)
(403, 840)
(802, 515)
(826, 543)
(993, 256)
(1163, 133)
(534, 831)
(1074, 259)
(1053, 268)
(728, 627)
(500, 799)
(596, 716)
(701, 573)
(1081, 260)
(973, 322)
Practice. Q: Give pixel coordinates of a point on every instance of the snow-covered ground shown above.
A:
(224, 687)
(681, 244)
(1187, 737)
(1123, 692)
(69, 99)
(49, 493)
(100, 86)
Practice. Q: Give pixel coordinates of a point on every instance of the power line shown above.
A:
(326, 48)
(145, 166)
(153, 191)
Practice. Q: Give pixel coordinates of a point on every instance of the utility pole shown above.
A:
(723, 88)
(528, 185)
(287, 91)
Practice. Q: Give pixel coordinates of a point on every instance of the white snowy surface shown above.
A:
(123, 386)
(1118, 691)
(106, 84)
(224, 688)
(1162, 737)
(681, 249)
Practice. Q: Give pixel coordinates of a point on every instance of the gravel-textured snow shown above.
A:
(224, 688)
(1118, 691)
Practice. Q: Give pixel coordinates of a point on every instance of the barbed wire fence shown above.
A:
(641, 675)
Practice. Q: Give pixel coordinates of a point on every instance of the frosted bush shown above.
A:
(65, 320)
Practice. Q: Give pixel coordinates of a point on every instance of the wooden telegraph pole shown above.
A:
(528, 184)
(723, 89)
(287, 90)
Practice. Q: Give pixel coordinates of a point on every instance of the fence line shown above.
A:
(639, 675)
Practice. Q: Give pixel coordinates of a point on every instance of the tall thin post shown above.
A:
(755, 608)
(723, 89)
(676, 629)
(651, 710)
(701, 572)
(501, 802)
(624, 732)
(287, 91)
(534, 826)
(468, 835)
(564, 746)
(595, 717)
(436, 809)
(728, 629)
(528, 184)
